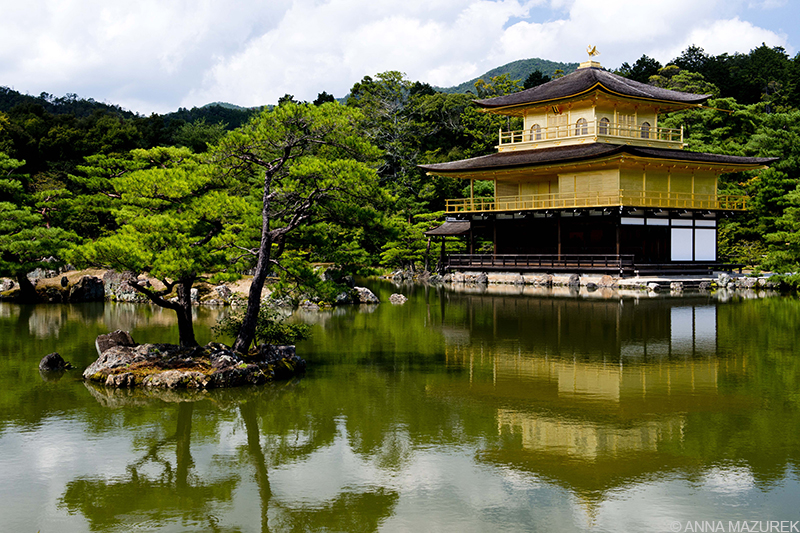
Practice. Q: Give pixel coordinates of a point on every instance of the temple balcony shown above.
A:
(647, 199)
(591, 131)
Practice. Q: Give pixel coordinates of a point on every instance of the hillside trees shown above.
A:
(26, 241)
(303, 163)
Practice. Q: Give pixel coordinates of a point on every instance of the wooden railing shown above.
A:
(652, 199)
(543, 262)
(591, 129)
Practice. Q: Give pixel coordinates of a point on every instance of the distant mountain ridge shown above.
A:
(227, 105)
(516, 70)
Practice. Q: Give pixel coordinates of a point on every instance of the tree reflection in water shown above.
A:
(142, 497)
(157, 490)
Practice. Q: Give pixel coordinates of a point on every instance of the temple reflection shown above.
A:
(592, 395)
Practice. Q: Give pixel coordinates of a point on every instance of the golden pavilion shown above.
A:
(593, 182)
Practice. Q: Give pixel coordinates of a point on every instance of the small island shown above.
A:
(122, 362)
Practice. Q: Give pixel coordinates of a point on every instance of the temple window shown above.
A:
(645, 130)
(581, 127)
(603, 129)
(536, 133)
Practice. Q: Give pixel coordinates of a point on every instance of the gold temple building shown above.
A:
(593, 182)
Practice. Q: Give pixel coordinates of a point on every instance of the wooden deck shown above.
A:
(617, 264)
(622, 265)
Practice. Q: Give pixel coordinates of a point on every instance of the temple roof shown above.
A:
(583, 152)
(450, 228)
(584, 80)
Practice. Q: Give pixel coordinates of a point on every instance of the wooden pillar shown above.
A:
(472, 194)
(558, 232)
(494, 236)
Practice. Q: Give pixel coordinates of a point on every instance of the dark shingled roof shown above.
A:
(582, 152)
(449, 228)
(585, 79)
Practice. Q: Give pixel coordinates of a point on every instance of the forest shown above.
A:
(219, 191)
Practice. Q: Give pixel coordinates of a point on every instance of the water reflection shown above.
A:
(599, 395)
(454, 411)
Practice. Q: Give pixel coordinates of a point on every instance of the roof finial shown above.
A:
(592, 51)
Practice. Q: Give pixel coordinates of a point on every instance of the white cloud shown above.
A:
(155, 55)
(722, 36)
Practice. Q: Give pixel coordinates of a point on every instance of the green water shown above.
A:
(453, 412)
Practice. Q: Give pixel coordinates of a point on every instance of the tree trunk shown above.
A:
(184, 312)
(183, 439)
(247, 330)
(27, 292)
(249, 417)
(428, 256)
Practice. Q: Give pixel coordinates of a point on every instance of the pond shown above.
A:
(453, 412)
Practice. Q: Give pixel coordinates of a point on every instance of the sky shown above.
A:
(154, 56)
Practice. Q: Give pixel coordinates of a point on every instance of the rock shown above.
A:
(365, 296)
(723, 279)
(543, 281)
(88, 289)
(221, 359)
(447, 278)
(343, 298)
(124, 380)
(574, 280)
(53, 295)
(115, 338)
(64, 281)
(6, 285)
(174, 379)
(397, 299)
(53, 361)
(676, 286)
(653, 287)
(482, 279)
(224, 292)
(704, 286)
(591, 287)
(194, 294)
(117, 287)
(282, 359)
(270, 353)
(607, 282)
(308, 305)
(40, 273)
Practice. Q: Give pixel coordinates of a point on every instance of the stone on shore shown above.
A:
(397, 299)
(53, 362)
(87, 289)
(365, 296)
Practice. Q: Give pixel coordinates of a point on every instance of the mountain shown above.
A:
(516, 70)
(227, 105)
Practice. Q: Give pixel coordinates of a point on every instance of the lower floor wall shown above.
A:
(661, 237)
